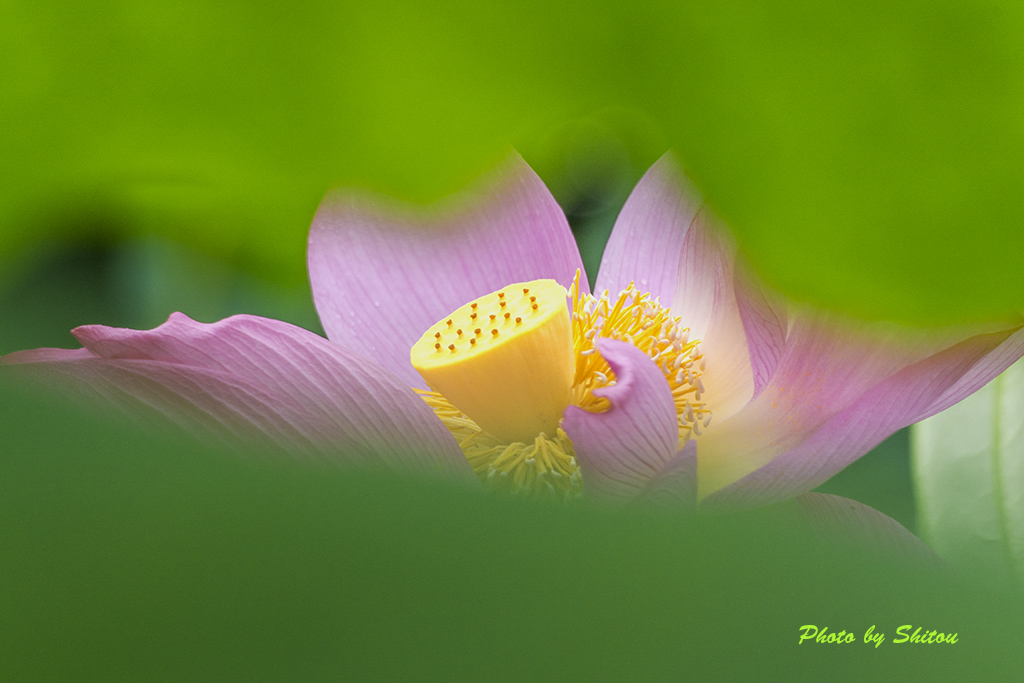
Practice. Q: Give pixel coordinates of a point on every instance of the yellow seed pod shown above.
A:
(505, 359)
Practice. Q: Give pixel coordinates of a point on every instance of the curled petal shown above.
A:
(800, 459)
(631, 449)
(260, 382)
(382, 275)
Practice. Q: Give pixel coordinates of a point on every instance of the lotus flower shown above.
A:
(453, 352)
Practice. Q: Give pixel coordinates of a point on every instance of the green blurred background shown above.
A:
(868, 154)
(162, 157)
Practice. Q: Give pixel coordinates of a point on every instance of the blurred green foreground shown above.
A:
(131, 555)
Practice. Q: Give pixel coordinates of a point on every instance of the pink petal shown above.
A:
(665, 241)
(827, 364)
(847, 521)
(630, 450)
(802, 459)
(978, 376)
(766, 325)
(646, 244)
(676, 483)
(260, 382)
(382, 274)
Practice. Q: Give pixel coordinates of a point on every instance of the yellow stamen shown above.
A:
(543, 466)
(649, 326)
(513, 386)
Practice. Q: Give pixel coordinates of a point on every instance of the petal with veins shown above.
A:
(666, 241)
(258, 381)
(757, 469)
(624, 450)
(381, 274)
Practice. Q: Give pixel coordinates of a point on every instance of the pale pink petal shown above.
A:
(646, 244)
(799, 459)
(978, 376)
(766, 325)
(666, 241)
(863, 528)
(382, 274)
(828, 363)
(706, 295)
(260, 382)
(676, 483)
(624, 450)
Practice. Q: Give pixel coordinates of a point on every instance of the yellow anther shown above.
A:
(507, 438)
(636, 318)
(514, 385)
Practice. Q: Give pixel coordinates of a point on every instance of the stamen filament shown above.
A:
(541, 460)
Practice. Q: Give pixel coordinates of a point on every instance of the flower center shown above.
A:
(505, 359)
(635, 318)
(503, 368)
